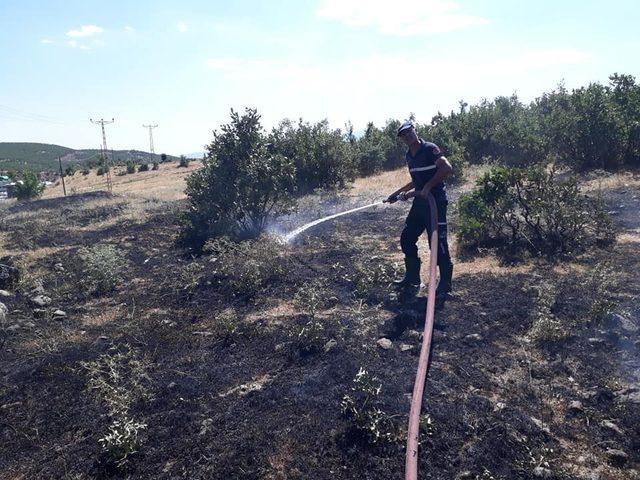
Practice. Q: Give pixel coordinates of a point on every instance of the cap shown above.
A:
(405, 126)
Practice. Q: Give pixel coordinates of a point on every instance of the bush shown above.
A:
(102, 170)
(123, 440)
(184, 162)
(155, 166)
(144, 167)
(163, 157)
(368, 274)
(529, 210)
(131, 167)
(546, 328)
(321, 157)
(361, 408)
(240, 186)
(70, 171)
(28, 187)
(310, 298)
(119, 380)
(102, 268)
(248, 267)
(86, 171)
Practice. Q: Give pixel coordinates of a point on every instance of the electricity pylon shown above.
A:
(105, 157)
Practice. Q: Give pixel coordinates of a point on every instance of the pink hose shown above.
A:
(411, 463)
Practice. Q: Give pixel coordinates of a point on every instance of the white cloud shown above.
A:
(75, 44)
(46, 41)
(85, 31)
(128, 28)
(182, 27)
(409, 18)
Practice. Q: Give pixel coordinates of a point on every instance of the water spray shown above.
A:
(291, 235)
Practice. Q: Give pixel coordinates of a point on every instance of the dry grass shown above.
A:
(167, 183)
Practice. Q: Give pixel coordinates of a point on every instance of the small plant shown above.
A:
(102, 268)
(190, 276)
(144, 167)
(546, 328)
(599, 284)
(312, 297)
(119, 380)
(368, 274)
(247, 268)
(227, 322)
(29, 186)
(131, 167)
(184, 162)
(155, 166)
(86, 171)
(361, 408)
(123, 440)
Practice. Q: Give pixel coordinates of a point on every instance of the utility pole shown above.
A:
(104, 150)
(64, 188)
(150, 127)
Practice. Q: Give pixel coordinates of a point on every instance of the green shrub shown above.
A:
(144, 167)
(546, 328)
(29, 186)
(102, 268)
(155, 166)
(131, 167)
(123, 440)
(240, 186)
(184, 162)
(247, 268)
(369, 275)
(312, 297)
(361, 408)
(529, 210)
(86, 171)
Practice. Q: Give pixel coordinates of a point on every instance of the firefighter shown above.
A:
(428, 169)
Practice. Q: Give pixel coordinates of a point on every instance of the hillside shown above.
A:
(43, 156)
(223, 367)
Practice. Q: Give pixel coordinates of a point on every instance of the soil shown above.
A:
(248, 404)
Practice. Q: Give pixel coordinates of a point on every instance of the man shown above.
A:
(428, 169)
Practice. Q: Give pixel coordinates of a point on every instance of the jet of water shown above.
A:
(291, 235)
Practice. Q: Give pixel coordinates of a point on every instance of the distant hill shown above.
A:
(43, 156)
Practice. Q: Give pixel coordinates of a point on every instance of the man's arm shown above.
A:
(444, 169)
(394, 196)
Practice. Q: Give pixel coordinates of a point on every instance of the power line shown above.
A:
(105, 155)
(150, 127)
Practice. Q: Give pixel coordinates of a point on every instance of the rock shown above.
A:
(13, 328)
(171, 385)
(576, 407)
(414, 334)
(41, 300)
(330, 345)
(203, 333)
(279, 347)
(617, 457)
(499, 406)
(384, 343)
(540, 424)
(473, 337)
(595, 341)
(542, 472)
(5, 293)
(29, 325)
(612, 426)
(58, 267)
(464, 475)
(59, 313)
(405, 347)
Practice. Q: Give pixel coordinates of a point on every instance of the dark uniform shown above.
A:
(422, 168)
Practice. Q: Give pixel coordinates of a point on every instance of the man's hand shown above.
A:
(424, 193)
(391, 198)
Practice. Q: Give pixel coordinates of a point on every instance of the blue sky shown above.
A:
(184, 64)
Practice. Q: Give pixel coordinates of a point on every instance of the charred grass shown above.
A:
(229, 388)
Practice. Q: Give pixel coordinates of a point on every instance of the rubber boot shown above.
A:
(412, 273)
(444, 285)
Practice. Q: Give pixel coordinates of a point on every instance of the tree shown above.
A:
(240, 186)
(29, 186)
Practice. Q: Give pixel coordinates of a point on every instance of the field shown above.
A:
(236, 365)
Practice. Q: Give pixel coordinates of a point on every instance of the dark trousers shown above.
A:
(419, 220)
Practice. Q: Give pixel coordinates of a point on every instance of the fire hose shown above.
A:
(411, 460)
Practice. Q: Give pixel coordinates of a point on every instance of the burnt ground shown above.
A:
(243, 399)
